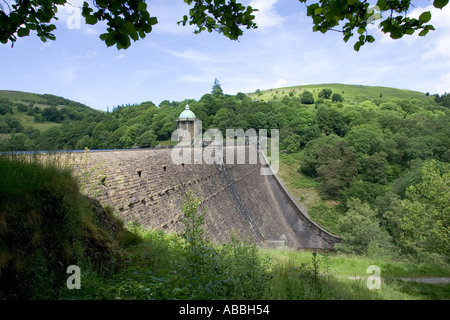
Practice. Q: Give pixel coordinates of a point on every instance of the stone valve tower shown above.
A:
(187, 127)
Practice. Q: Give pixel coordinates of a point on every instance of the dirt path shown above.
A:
(430, 280)
(433, 280)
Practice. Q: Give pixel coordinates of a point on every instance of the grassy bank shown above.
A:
(161, 268)
(46, 225)
(304, 190)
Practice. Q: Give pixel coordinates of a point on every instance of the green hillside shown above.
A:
(24, 116)
(23, 97)
(22, 103)
(348, 91)
(13, 98)
(43, 100)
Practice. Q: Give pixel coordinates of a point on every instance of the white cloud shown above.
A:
(139, 77)
(441, 85)
(439, 46)
(70, 13)
(89, 31)
(168, 16)
(69, 17)
(279, 83)
(66, 74)
(191, 55)
(82, 55)
(193, 79)
(266, 16)
(120, 56)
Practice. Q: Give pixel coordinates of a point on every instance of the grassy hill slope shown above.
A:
(348, 91)
(25, 116)
(24, 97)
(39, 100)
(23, 106)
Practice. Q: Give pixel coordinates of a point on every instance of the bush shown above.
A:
(246, 272)
(337, 98)
(5, 106)
(21, 107)
(360, 230)
(206, 271)
(325, 93)
(307, 98)
(422, 222)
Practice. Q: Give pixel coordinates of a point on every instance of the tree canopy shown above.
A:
(130, 20)
(126, 19)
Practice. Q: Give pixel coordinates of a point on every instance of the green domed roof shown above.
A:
(187, 114)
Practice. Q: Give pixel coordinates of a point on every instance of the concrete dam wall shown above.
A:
(148, 187)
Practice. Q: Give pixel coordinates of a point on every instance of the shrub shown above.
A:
(360, 230)
(422, 223)
(307, 98)
(325, 93)
(337, 98)
(207, 271)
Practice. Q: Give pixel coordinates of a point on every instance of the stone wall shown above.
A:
(147, 187)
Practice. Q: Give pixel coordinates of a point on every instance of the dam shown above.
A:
(146, 186)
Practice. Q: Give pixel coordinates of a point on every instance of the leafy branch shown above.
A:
(357, 15)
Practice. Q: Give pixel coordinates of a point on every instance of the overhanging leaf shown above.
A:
(131, 31)
(440, 3)
(423, 32)
(318, 10)
(91, 20)
(425, 17)
(142, 6)
(22, 32)
(104, 36)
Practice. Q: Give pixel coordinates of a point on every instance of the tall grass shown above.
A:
(161, 268)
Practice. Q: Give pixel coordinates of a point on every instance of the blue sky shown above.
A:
(173, 63)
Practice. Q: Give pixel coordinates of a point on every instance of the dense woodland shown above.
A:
(384, 161)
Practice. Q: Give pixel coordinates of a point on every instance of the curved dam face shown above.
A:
(148, 187)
